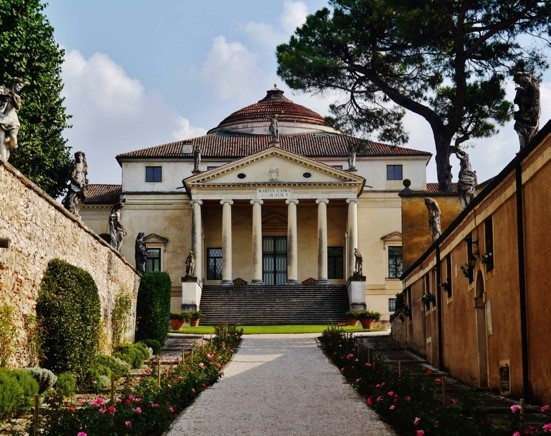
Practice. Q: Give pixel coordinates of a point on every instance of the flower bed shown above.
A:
(417, 403)
(145, 405)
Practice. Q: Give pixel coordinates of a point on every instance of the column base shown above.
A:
(292, 282)
(256, 282)
(323, 282)
(226, 283)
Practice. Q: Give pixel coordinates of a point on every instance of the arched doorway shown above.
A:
(481, 331)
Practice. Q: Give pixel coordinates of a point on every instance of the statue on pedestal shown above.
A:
(434, 218)
(77, 186)
(140, 253)
(196, 159)
(116, 229)
(274, 129)
(358, 263)
(467, 178)
(527, 99)
(190, 264)
(9, 121)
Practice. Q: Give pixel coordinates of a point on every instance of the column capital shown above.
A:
(291, 200)
(351, 200)
(226, 201)
(322, 200)
(193, 202)
(257, 201)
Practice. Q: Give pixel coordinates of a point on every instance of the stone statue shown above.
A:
(352, 158)
(358, 264)
(190, 264)
(527, 99)
(196, 159)
(140, 253)
(274, 128)
(77, 186)
(9, 121)
(116, 229)
(434, 218)
(467, 178)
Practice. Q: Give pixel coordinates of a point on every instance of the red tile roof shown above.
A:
(234, 146)
(274, 103)
(103, 194)
(433, 187)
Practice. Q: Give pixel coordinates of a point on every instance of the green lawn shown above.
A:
(258, 329)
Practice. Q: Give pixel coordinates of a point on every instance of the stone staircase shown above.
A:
(274, 305)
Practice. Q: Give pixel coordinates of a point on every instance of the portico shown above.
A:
(284, 216)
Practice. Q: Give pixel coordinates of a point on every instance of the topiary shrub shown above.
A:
(144, 349)
(68, 309)
(153, 344)
(153, 310)
(66, 385)
(29, 388)
(132, 354)
(44, 377)
(10, 393)
(117, 367)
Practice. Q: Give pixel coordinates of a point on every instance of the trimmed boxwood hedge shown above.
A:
(153, 310)
(68, 310)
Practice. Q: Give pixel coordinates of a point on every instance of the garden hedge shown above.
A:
(153, 310)
(68, 309)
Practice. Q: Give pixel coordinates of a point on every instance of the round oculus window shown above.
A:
(307, 175)
(241, 175)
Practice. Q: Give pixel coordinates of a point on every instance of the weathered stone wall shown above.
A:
(40, 230)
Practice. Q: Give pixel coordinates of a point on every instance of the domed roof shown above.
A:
(275, 103)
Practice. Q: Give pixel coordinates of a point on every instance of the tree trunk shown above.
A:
(442, 143)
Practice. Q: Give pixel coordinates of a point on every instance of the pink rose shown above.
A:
(547, 427)
(420, 432)
(515, 408)
(416, 420)
(545, 408)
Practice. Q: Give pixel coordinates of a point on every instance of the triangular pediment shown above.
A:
(274, 167)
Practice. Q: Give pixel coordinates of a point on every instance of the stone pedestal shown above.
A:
(191, 294)
(356, 292)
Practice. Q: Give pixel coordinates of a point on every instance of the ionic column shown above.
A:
(322, 241)
(257, 242)
(292, 246)
(352, 232)
(226, 243)
(196, 239)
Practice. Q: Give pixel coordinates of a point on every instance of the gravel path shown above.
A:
(279, 385)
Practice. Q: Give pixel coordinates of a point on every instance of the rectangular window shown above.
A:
(394, 172)
(153, 174)
(488, 256)
(392, 304)
(214, 264)
(153, 260)
(448, 281)
(395, 265)
(335, 262)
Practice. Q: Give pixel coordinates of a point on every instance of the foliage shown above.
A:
(353, 314)
(194, 314)
(17, 391)
(68, 309)
(153, 310)
(446, 61)
(113, 366)
(369, 314)
(44, 377)
(269, 329)
(28, 50)
(133, 354)
(119, 317)
(153, 344)
(428, 299)
(143, 405)
(32, 331)
(66, 385)
(178, 316)
(8, 333)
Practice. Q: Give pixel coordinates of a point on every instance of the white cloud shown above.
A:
(113, 113)
(186, 130)
(293, 16)
(231, 70)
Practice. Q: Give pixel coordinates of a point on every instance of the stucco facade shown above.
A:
(249, 190)
(490, 329)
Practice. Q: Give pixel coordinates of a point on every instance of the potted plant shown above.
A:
(194, 317)
(367, 317)
(468, 268)
(428, 299)
(177, 320)
(352, 317)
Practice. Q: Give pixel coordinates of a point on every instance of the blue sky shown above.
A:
(139, 73)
